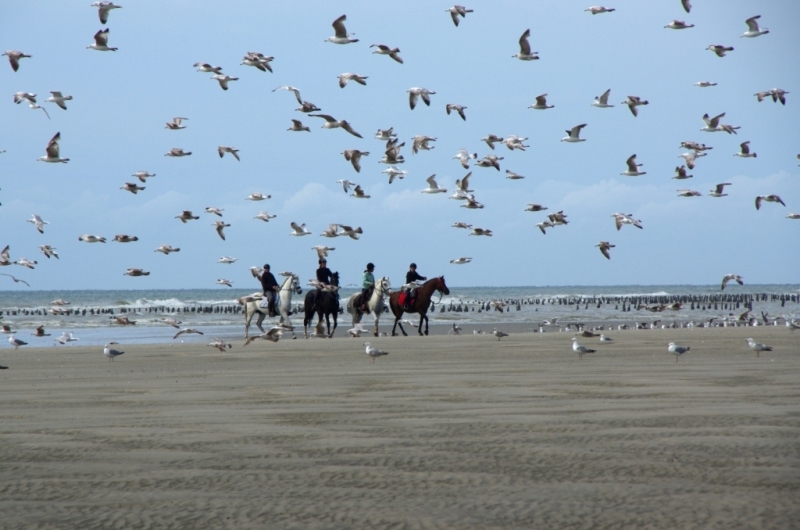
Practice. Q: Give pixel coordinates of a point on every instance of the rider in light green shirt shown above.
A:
(366, 284)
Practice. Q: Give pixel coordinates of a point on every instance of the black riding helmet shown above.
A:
(266, 266)
(322, 260)
(412, 266)
(370, 266)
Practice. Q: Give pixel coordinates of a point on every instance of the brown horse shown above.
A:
(421, 303)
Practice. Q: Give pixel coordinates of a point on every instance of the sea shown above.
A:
(217, 313)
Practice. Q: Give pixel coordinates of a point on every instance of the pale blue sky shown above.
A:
(115, 126)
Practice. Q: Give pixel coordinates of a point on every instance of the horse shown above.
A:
(421, 303)
(322, 302)
(375, 303)
(251, 307)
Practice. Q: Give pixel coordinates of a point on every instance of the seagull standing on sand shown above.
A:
(499, 334)
(374, 352)
(677, 351)
(16, 342)
(110, 352)
(580, 350)
(758, 347)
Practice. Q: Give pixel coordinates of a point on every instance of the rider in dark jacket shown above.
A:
(269, 286)
(411, 276)
(323, 272)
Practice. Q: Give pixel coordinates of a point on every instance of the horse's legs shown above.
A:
(260, 320)
(425, 316)
(335, 323)
(247, 318)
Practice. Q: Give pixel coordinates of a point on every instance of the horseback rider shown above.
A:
(324, 279)
(323, 273)
(367, 284)
(269, 286)
(411, 276)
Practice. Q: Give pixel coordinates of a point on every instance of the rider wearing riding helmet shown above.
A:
(323, 272)
(269, 286)
(367, 283)
(411, 276)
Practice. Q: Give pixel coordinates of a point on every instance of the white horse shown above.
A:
(251, 307)
(375, 304)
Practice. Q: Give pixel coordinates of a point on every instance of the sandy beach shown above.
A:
(444, 432)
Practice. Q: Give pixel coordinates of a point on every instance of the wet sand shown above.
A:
(444, 432)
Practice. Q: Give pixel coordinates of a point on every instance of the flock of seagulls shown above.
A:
(392, 156)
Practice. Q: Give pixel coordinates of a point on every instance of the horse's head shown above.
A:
(296, 285)
(335, 279)
(384, 286)
(441, 286)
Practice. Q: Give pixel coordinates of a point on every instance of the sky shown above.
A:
(115, 126)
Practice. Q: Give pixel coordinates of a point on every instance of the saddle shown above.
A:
(406, 299)
(363, 299)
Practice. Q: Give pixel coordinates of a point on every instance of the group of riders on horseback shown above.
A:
(324, 300)
(328, 279)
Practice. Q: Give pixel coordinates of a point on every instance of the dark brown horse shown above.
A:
(420, 304)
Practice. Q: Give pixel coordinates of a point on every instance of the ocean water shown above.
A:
(214, 311)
